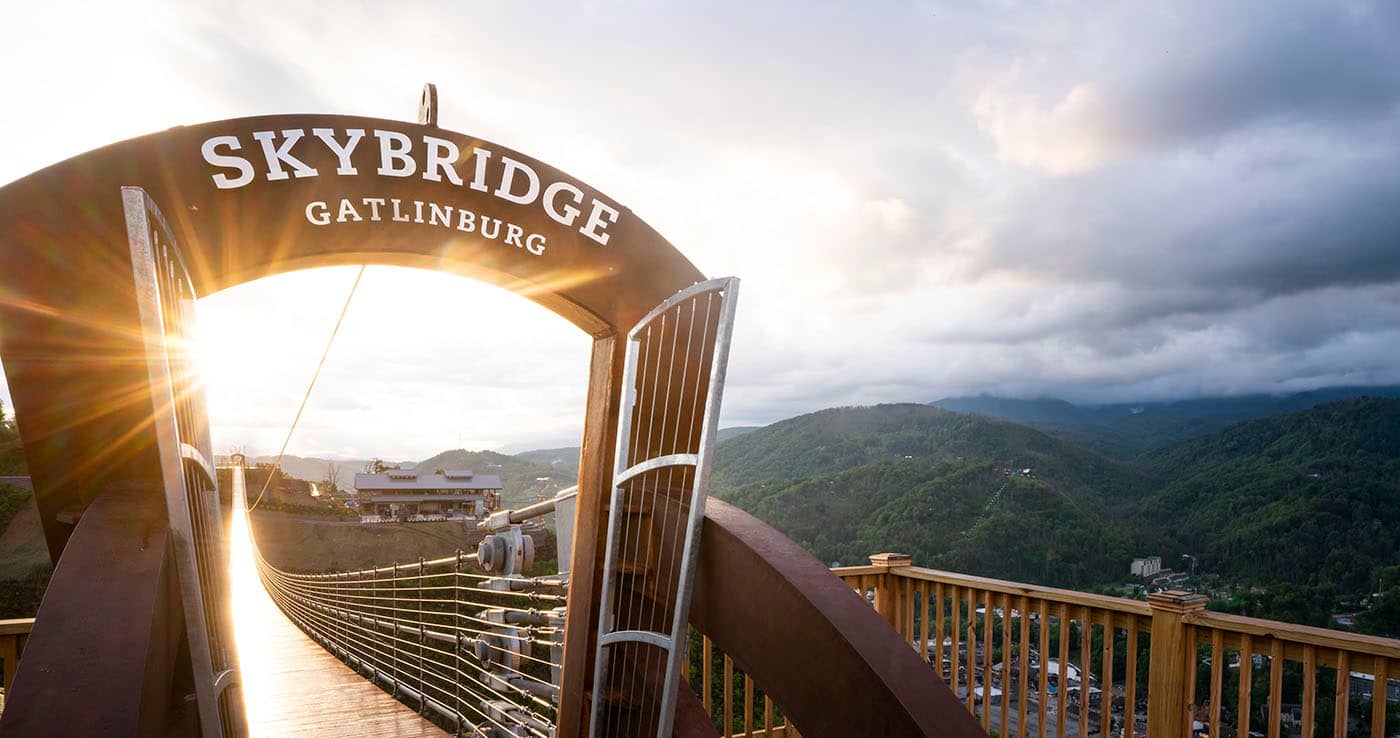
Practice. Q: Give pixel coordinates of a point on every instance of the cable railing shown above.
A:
(477, 653)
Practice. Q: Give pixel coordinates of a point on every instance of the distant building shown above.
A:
(1146, 567)
(1363, 686)
(406, 494)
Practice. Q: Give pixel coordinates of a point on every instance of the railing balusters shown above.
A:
(1023, 664)
(1217, 679)
(1106, 681)
(938, 626)
(970, 679)
(748, 706)
(1130, 681)
(1086, 635)
(1043, 671)
(987, 634)
(1339, 718)
(1189, 719)
(1062, 679)
(1309, 689)
(1246, 683)
(707, 655)
(954, 659)
(728, 721)
(1005, 675)
(1275, 686)
(1379, 697)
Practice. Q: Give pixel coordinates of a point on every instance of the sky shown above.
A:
(1099, 202)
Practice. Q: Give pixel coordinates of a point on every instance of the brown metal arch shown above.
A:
(791, 625)
(69, 335)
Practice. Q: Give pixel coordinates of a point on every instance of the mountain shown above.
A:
(956, 491)
(564, 461)
(1128, 430)
(837, 439)
(523, 480)
(1312, 496)
(313, 469)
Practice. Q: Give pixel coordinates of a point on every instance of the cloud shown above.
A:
(1142, 201)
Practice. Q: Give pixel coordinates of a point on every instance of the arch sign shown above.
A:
(251, 197)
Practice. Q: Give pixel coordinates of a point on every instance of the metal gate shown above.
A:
(166, 298)
(673, 382)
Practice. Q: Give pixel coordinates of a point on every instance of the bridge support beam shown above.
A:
(107, 657)
(832, 662)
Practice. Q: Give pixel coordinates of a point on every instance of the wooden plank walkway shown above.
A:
(292, 686)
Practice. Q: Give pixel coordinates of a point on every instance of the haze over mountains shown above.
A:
(1126, 430)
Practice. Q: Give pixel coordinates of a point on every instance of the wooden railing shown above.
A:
(736, 705)
(13, 634)
(1125, 668)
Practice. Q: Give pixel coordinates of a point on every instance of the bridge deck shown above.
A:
(292, 686)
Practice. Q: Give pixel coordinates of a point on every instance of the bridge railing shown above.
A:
(737, 706)
(13, 634)
(1037, 661)
(471, 651)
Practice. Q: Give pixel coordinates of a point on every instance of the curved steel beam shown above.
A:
(105, 657)
(822, 653)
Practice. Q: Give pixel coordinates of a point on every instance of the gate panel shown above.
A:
(166, 300)
(672, 383)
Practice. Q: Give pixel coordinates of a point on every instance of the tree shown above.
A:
(377, 466)
(332, 480)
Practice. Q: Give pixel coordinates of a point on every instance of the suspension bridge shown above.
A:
(161, 619)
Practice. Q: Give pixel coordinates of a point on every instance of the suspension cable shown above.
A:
(277, 466)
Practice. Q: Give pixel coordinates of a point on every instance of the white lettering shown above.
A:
(535, 244)
(391, 154)
(513, 234)
(569, 214)
(341, 151)
(347, 212)
(495, 231)
(221, 180)
(479, 179)
(439, 214)
(532, 188)
(398, 216)
(373, 203)
(598, 219)
(275, 155)
(442, 155)
(466, 220)
(317, 213)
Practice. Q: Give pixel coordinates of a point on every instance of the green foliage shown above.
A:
(1307, 503)
(11, 452)
(12, 500)
(523, 481)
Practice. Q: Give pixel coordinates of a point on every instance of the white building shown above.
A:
(406, 494)
(1147, 566)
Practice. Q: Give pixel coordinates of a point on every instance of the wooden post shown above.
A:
(1171, 656)
(887, 601)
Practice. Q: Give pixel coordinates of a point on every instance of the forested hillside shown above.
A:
(524, 481)
(1311, 496)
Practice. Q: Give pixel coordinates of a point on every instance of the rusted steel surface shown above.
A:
(102, 658)
(818, 649)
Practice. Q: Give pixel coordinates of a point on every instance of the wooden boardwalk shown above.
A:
(292, 687)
